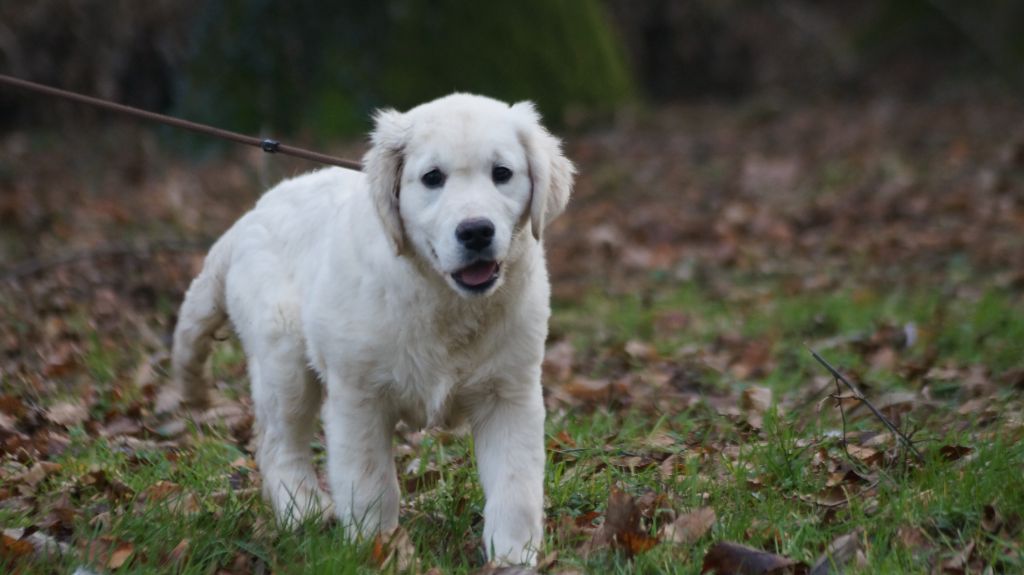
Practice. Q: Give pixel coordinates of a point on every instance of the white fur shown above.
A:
(344, 279)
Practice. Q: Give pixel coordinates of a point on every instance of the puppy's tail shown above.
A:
(201, 314)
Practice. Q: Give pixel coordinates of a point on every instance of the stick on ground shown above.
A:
(860, 397)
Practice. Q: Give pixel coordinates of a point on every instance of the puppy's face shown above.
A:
(465, 191)
(465, 184)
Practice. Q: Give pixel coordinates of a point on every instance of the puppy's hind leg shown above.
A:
(287, 398)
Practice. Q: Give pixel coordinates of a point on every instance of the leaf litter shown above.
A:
(84, 344)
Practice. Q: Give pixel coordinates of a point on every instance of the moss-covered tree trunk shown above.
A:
(322, 67)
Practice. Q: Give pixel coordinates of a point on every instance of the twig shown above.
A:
(35, 266)
(860, 397)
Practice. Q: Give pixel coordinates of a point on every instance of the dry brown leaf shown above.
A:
(913, 538)
(838, 554)
(68, 413)
(120, 555)
(884, 358)
(724, 558)
(621, 528)
(558, 361)
(122, 425)
(156, 493)
(973, 406)
(587, 389)
(755, 360)
(43, 545)
(689, 527)
(184, 504)
(835, 496)
(178, 553)
(864, 454)
(13, 406)
(757, 399)
(640, 350)
(991, 519)
(1013, 378)
(61, 361)
(895, 403)
(38, 472)
(672, 465)
(394, 550)
(954, 452)
(99, 479)
(960, 561)
(13, 549)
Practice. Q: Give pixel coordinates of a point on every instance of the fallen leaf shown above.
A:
(38, 472)
(100, 480)
(640, 350)
(394, 550)
(120, 555)
(178, 553)
(12, 549)
(672, 465)
(973, 406)
(68, 413)
(959, 562)
(991, 519)
(838, 554)
(757, 399)
(865, 454)
(954, 452)
(755, 360)
(42, 545)
(13, 406)
(1013, 377)
(587, 389)
(724, 558)
(913, 538)
(122, 425)
(621, 528)
(689, 527)
(558, 361)
(160, 490)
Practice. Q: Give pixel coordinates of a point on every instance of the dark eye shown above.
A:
(501, 174)
(434, 178)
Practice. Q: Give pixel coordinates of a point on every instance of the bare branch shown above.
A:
(860, 397)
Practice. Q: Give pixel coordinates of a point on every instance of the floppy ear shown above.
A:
(383, 168)
(551, 173)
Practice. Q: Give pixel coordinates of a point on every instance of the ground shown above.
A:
(707, 251)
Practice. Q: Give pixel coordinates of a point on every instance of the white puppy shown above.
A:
(417, 291)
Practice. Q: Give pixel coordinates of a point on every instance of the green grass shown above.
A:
(761, 482)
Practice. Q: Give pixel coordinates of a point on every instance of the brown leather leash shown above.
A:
(267, 145)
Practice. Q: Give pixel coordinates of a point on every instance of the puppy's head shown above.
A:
(456, 182)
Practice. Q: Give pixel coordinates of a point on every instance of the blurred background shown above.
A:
(818, 144)
(316, 68)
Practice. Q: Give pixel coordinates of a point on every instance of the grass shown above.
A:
(761, 481)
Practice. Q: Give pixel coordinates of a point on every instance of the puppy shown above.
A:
(417, 291)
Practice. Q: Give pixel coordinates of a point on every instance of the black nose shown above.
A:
(475, 234)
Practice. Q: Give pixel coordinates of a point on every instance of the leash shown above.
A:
(267, 145)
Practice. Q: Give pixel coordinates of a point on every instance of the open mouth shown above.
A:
(478, 276)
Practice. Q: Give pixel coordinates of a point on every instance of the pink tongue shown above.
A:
(478, 273)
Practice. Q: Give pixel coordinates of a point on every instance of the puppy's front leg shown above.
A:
(508, 430)
(360, 466)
